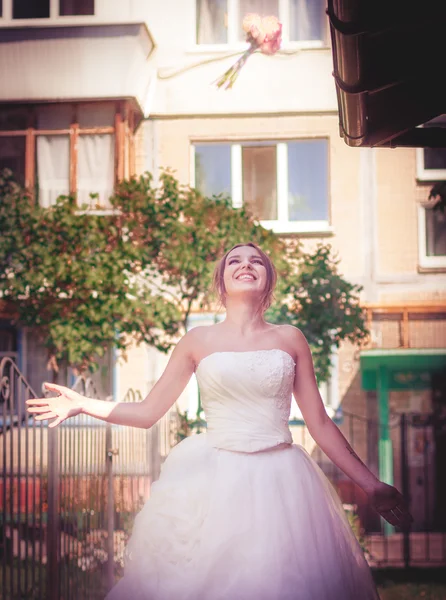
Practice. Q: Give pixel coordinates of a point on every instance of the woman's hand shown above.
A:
(390, 504)
(67, 404)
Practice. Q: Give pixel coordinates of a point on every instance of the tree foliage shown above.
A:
(438, 195)
(85, 281)
(314, 297)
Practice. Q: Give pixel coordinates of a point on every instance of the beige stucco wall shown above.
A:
(397, 250)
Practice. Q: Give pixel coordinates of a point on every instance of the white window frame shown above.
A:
(427, 174)
(424, 261)
(281, 225)
(233, 23)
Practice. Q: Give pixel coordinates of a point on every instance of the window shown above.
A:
(431, 237)
(220, 21)
(58, 149)
(37, 9)
(212, 22)
(284, 184)
(12, 147)
(95, 154)
(12, 156)
(431, 162)
(76, 7)
(8, 341)
(44, 9)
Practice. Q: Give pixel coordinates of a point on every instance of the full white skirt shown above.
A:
(223, 525)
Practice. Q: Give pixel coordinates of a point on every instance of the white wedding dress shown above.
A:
(240, 512)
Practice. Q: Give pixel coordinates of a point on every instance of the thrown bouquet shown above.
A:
(262, 33)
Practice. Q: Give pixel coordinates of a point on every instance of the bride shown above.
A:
(242, 513)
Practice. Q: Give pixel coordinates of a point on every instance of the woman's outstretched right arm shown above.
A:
(135, 414)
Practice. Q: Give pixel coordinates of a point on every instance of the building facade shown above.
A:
(95, 91)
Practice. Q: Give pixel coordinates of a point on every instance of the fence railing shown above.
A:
(68, 495)
(23, 490)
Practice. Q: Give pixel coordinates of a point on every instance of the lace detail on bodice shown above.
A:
(275, 377)
(246, 397)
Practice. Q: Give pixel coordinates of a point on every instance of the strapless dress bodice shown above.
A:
(246, 397)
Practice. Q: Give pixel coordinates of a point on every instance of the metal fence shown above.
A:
(68, 496)
(419, 454)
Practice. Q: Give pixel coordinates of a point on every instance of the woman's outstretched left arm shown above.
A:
(386, 499)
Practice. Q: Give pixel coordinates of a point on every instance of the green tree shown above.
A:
(313, 296)
(84, 282)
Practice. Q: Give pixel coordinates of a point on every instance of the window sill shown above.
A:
(99, 212)
(431, 175)
(437, 265)
(64, 21)
(304, 228)
(234, 48)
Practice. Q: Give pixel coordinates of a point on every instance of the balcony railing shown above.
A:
(406, 325)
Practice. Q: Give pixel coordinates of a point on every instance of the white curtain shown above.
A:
(263, 8)
(435, 232)
(260, 181)
(95, 173)
(53, 168)
(211, 28)
(307, 18)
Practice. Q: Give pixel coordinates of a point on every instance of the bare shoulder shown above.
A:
(292, 338)
(198, 338)
(291, 334)
(193, 337)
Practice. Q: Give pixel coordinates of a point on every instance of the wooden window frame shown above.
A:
(123, 130)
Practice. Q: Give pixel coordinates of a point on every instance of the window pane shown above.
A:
(212, 22)
(213, 169)
(54, 116)
(36, 9)
(96, 168)
(261, 7)
(308, 180)
(15, 119)
(53, 168)
(96, 114)
(76, 7)
(435, 158)
(12, 156)
(435, 233)
(259, 167)
(307, 20)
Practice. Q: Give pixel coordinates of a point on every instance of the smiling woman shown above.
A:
(246, 261)
(241, 511)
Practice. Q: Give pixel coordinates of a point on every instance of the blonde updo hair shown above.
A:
(271, 277)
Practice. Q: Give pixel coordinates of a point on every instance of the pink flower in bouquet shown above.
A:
(273, 35)
(253, 27)
(264, 34)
